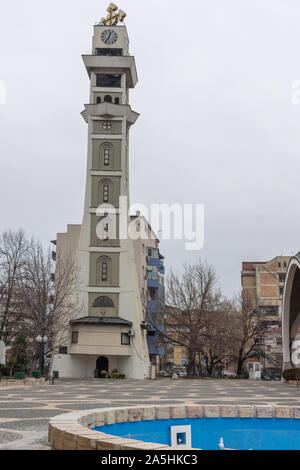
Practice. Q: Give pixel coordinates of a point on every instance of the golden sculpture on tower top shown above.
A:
(114, 16)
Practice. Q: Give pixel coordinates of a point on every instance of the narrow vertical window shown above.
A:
(117, 101)
(104, 270)
(105, 192)
(98, 99)
(74, 337)
(106, 155)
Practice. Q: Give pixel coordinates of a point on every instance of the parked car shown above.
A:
(181, 373)
(164, 373)
(227, 374)
(270, 377)
(273, 373)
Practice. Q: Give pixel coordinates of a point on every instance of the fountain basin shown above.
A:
(149, 427)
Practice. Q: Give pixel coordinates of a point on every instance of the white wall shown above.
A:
(71, 366)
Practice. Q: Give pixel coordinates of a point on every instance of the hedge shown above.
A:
(291, 374)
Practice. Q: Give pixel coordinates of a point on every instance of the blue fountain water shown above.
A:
(237, 433)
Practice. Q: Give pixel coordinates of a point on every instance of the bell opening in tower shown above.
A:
(108, 80)
(109, 52)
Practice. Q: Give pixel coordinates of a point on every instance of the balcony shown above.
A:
(152, 306)
(156, 350)
(158, 328)
(156, 262)
(153, 283)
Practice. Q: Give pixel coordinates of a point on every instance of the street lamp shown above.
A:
(41, 340)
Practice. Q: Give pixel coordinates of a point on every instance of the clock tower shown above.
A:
(110, 332)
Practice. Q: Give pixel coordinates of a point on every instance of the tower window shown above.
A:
(103, 302)
(106, 156)
(107, 99)
(117, 100)
(98, 99)
(108, 80)
(63, 350)
(74, 337)
(105, 192)
(109, 51)
(125, 339)
(104, 271)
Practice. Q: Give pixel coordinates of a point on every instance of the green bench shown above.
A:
(19, 375)
(36, 374)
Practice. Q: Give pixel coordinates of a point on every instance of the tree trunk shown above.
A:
(240, 363)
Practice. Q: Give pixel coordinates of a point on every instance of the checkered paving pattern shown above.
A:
(24, 411)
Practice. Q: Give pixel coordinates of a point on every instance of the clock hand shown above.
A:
(108, 37)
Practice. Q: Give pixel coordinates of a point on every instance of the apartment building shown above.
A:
(262, 287)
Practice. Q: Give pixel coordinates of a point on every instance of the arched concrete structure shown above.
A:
(291, 308)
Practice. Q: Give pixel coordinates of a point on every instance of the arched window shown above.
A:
(107, 99)
(105, 192)
(98, 99)
(106, 155)
(103, 302)
(117, 101)
(104, 270)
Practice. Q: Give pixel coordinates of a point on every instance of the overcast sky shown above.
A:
(217, 124)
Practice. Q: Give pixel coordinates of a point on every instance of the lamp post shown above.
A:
(41, 340)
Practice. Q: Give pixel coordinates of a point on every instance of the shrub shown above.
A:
(291, 374)
(5, 371)
(117, 375)
(11, 368)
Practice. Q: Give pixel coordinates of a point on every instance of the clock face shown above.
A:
(109, 36)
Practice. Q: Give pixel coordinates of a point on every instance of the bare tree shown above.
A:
(195, 300)
(249, 326)
(46, 305)
(216, 338)
(19, 353)
(13, 249)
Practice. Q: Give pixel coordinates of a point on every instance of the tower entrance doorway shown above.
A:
(102, 363)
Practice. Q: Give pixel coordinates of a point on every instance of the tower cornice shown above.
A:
(108, 110)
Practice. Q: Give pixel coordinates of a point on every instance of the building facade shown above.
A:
(151, 270)
(263, 287)
(291, 315)
(111, 330)
(176, 355)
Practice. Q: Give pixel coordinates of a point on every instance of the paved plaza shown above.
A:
(24, 411)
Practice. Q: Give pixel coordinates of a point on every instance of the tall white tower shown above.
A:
(110, 333)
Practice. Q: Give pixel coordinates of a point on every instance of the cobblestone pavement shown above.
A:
(24, 411)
